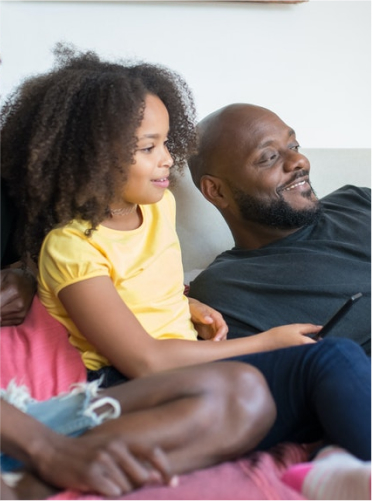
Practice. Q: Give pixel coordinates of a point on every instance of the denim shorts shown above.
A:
(70, 413)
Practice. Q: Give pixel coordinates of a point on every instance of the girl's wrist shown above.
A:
(42, 448)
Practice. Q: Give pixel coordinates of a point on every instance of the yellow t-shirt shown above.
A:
(144, 264)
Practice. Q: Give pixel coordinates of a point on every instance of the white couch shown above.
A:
(203, 232)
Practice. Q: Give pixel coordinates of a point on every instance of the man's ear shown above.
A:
(213, 189)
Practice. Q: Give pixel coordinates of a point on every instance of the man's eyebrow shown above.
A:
(291, 133)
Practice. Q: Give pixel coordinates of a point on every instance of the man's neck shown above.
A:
(254, 236)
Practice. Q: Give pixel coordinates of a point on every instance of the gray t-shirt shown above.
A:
(302, 278)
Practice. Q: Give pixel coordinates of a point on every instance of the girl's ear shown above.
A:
(213, 188)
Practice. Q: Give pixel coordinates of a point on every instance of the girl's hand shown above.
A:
(289, 335)
(103, 464)
(208, 322)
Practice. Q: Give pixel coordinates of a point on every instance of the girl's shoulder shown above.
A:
(71, 238)
(75, 229)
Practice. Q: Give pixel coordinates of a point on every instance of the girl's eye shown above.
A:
(148, 149)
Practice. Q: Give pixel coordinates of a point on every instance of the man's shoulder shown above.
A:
(350, 193)
(218, 270)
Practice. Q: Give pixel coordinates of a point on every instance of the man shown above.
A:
(296, 258)
(17, 283)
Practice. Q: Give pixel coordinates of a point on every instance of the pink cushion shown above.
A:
(38, 354)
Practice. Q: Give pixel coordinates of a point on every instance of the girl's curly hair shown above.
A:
(65, 133)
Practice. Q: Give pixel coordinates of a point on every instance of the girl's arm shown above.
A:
(100, 462)
(104, 319)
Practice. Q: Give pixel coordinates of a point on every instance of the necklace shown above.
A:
(123, 211)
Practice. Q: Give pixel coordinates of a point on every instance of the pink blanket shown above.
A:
(39, 355)
(255, 477)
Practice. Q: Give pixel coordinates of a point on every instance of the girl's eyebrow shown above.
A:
(150, 136)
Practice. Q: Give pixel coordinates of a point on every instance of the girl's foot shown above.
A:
(333, 474)
(25, 485)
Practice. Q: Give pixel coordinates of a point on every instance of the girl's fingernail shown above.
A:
(174, 481)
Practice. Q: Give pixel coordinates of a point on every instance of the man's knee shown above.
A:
(337, 346)
(337, 356)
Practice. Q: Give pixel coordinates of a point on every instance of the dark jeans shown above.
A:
(322, 391)
(109, 376)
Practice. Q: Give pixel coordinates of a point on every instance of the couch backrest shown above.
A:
(203, 232)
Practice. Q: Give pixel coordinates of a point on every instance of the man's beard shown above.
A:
(276, 213)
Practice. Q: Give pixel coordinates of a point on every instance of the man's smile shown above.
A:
(295, 185)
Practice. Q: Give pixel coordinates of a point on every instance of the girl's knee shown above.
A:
(252, 393)
(245, 404)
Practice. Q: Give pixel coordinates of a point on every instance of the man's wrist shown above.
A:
(30, 275)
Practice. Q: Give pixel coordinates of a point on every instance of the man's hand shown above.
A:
(17, 289)
(208, 322)
(101, 463)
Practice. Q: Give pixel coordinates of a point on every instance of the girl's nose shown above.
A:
(167, 160)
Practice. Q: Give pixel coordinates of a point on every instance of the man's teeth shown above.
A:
(295, 185)
(161, 180)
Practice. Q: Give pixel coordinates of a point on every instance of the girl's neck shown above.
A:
(123, 210)
(124, 220)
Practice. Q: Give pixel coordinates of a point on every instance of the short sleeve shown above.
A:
(69, 256)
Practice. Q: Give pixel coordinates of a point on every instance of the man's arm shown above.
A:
(17, 289)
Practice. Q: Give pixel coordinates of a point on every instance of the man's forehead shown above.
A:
(234, 120)
(259, 129)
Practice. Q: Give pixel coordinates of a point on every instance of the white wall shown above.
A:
(308, 62)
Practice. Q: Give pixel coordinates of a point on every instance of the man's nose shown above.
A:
(295, 161)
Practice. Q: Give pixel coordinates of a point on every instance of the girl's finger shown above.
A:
(133, 466)
(159, 461)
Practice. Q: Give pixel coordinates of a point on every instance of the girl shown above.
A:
(88, 151)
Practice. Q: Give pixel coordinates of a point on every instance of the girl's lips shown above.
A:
(161, 183)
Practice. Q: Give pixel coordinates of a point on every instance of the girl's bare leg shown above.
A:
(198, 415)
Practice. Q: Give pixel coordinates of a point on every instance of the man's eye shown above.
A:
(269, 158)
(295, 147)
